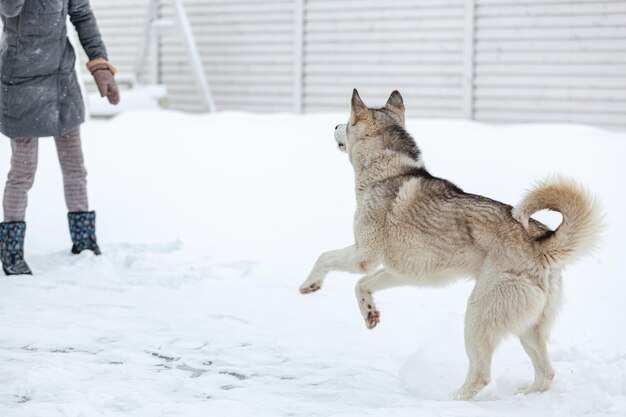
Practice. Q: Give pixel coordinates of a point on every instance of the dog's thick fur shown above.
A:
(424, 230)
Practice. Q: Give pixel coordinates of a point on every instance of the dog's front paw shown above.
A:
(373, 318)
(367, 307)
(308, 287)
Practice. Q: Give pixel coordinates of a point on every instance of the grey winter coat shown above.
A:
(39, 91)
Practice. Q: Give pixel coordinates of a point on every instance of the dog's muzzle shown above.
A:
(340, 136)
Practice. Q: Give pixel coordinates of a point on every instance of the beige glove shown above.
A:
(104, 75)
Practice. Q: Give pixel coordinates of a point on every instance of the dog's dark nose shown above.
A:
(337, 127)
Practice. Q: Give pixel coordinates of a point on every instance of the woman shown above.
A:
(40, 96)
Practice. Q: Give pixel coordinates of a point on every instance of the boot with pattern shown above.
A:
(12, 248)
(83, 231)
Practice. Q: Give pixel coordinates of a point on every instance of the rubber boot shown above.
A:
(12, 248)
(83, 231)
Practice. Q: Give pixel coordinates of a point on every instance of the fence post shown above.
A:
(298, 50)
(469, 39)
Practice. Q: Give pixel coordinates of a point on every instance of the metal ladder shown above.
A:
(157, 26)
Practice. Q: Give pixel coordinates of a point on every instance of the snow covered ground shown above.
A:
(208, 226)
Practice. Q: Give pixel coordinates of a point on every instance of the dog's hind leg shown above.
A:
(366, 287)
(535, 339)
(479, 348)
(500, 304)
(349, 259)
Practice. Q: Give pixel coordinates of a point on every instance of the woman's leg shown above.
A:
(19, 182)
(20, 179)
(72, 162)
(82, 222)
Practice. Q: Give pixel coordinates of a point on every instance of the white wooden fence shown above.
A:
(492, 60)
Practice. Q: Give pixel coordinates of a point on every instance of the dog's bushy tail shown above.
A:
(577, 235)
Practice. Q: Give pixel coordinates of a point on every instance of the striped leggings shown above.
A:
(22, 174)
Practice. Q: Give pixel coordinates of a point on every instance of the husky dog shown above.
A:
(412, 228)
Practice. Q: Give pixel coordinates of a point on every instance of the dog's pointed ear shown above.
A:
(396, 105)
(359, 109)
